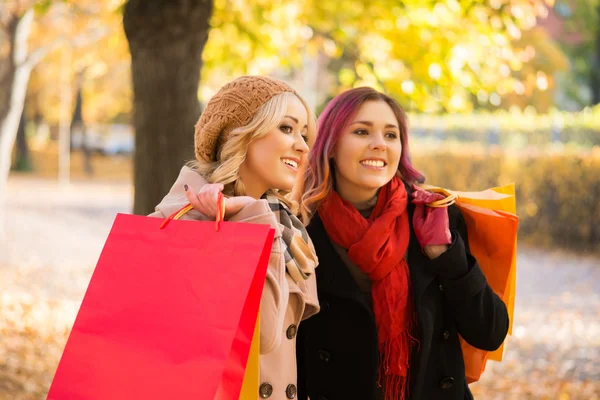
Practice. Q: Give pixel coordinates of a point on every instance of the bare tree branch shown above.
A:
(83, 10)
(39, 54)
(82, 40)
(90, 37)
(21, 36)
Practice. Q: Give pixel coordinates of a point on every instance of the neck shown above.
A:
(356, 195)
(252, 187)
(254, 192)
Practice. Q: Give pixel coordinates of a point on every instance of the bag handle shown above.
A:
(183, 210)
(445, 202)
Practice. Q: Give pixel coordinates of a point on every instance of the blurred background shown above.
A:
(497, 91)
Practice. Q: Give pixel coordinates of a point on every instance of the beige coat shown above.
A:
(284, 302)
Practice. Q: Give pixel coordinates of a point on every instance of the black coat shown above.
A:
(337, 348)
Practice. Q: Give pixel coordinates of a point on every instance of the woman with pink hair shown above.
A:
(396, 281)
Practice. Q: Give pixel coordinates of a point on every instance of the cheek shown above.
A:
(263, 152)
(258, 162)
(346, 149)
(344, 166)
(395, 153)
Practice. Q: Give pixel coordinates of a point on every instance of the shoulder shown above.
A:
(457, 224)
(257, 212)
(319, 237)
(315, 227)
(176, 198)
(456, 218)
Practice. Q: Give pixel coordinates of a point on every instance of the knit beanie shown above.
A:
(232, 107)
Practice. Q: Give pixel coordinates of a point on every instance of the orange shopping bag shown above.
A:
(169, 313)
(491, 220)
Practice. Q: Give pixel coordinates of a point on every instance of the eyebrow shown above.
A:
(295, 119)
(369, 123)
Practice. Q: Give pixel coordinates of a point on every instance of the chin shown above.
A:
(284, 185)
(374, 183)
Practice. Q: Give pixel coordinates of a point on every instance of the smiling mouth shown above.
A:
(291, 163)
(374, 163)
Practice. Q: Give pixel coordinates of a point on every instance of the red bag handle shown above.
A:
(183, 210)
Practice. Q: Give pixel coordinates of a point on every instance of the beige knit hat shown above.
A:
(233, 106)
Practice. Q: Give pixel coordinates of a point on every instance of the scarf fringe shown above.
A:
(395, 378)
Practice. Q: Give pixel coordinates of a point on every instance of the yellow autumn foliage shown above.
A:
(557, 192)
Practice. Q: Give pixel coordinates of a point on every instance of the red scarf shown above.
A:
(377, 245)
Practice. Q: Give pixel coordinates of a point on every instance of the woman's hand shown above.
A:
(205, 201)
(431, 225)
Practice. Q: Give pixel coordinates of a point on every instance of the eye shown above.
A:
(286, 129)
(361, 132)
(392, 135)
(305, 137)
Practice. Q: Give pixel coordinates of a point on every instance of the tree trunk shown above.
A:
(22, 154)
(595, 70)
(78, 125)
(14, 76)
(166, 39)
(64, 124)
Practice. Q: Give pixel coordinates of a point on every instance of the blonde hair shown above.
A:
(232, 153)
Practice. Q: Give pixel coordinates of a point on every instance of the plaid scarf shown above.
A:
(300, 257)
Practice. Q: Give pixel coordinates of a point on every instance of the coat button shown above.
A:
(446, 335)
(265, 390)
(324, 356)
(441, 288)
(291, 331)
(447, 382)
(291, 391)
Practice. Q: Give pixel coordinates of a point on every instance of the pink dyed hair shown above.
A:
(333, 121)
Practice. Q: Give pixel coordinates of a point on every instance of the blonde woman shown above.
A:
(250, 143)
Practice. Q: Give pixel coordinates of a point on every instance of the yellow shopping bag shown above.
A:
(491, 220)
(252, 376)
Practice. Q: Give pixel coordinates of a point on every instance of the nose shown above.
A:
(378, 142)
(300, 145)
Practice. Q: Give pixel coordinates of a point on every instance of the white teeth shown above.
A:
(290, 162)
(373, 163)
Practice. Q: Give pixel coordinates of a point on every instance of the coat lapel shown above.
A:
(333, 276)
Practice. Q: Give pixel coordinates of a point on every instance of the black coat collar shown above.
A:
(333, 276)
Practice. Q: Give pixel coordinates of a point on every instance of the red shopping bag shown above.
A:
(168, 314)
